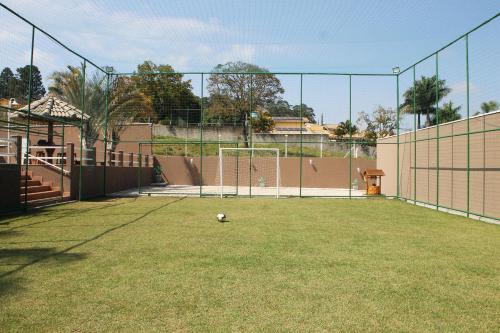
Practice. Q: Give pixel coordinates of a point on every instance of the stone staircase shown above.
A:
(40, 191)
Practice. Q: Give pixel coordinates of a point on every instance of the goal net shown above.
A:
(248, 171)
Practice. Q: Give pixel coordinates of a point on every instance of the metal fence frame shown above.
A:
(109, 75)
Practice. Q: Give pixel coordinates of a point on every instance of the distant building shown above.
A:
(316, 129)
(289, 125)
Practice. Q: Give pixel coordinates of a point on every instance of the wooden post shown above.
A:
(93, 157)
(120, 158)
(19, 152)
(110, 158)
(131, 159)
(146, 160)
(70, 151)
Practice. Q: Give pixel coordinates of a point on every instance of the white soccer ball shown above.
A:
(221, 217)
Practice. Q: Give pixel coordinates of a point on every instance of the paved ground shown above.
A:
(189, 190)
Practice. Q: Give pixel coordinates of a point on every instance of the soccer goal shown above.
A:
(249, 171)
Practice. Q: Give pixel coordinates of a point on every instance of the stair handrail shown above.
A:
(65, 172)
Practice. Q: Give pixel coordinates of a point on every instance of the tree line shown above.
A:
(16, 85)
(158, 94)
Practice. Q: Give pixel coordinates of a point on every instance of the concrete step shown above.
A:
(41, 195)
(30, 174)
(49, 201)
(39, 178)
(37, 188)
(30, 183)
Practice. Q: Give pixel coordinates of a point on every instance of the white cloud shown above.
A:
(461, 87)
(237, 52)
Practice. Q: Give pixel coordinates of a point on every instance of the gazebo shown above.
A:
(49, 110)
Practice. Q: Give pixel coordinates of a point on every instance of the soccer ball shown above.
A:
(221, 217)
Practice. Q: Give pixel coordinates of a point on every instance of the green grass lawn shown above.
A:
(166, 264)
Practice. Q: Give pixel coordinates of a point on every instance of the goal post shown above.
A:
(252, 171)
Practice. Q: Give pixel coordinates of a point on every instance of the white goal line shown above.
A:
(268, 149)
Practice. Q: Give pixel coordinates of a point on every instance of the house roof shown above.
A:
(290, 119)
(53, 107)
(374, 172)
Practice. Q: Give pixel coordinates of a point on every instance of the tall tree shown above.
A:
(490, 106)
(381, 123)
(219, 110)
(244, 92)
(125, 101)
(425, 98)
(307, 112)
(282, 108)
(448, 112)
(8, 84)
(37, 88)
(170, 95)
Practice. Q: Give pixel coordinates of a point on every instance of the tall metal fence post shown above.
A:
(28, 125)
(414, 138)
(468, 121)
(301, 136)
(82, 92)
(397, 138)
(139, 175)
(350, 136)
(201, 136)
(250, 136)
(437, 130)
(105, 135)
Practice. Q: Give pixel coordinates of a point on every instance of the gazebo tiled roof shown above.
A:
(53, 107)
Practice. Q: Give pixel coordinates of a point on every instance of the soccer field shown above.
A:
(166, 264)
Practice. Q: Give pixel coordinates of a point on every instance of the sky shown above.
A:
(280, 35)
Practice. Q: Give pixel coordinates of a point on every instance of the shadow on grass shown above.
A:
(63, 213)
(9, 233)
(9, 286)
(14, 256)
(37, 255)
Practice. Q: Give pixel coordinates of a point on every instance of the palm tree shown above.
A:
(490, 106)
(345, 128)
(425, 98)
(125, 102)
(448, 112)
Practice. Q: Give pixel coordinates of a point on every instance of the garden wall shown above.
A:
(420, 165)
(227, 133)
(328, 172)
(9, 189)
(117, 179)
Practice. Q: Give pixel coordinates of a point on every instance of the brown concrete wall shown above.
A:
(484, 169)
(325, 172)
(9, 188)
(117, 179)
